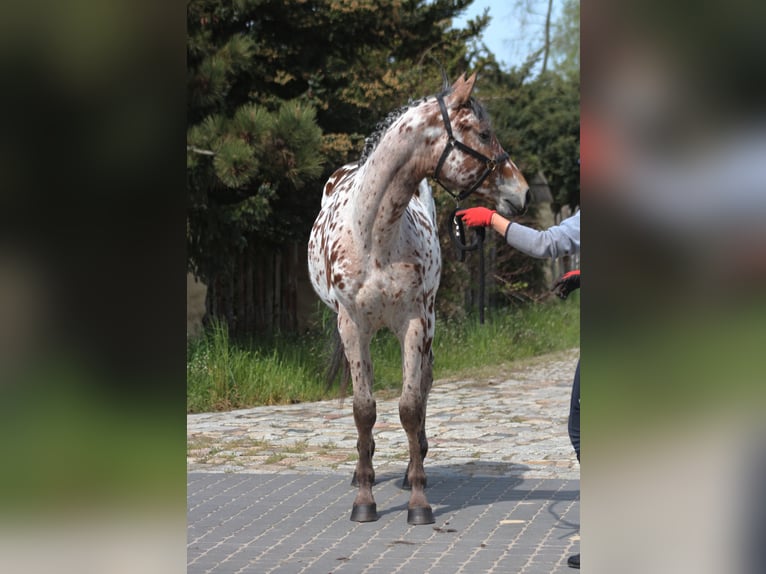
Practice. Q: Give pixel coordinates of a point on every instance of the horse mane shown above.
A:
(382, 126)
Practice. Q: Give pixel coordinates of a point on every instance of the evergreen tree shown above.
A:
(536, 118)
(279, 95)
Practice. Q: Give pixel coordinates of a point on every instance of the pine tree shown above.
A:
(243, 154)
(279, 95)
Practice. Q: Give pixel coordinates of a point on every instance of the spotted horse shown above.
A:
(374, 256)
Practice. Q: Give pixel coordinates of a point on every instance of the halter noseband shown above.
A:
(490, 164)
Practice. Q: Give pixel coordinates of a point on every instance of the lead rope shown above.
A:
(457, 234)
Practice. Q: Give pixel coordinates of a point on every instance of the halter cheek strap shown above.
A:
(489, 163)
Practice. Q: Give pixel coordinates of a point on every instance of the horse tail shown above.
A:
(338, 365)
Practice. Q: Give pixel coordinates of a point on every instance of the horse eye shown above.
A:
(484, 136)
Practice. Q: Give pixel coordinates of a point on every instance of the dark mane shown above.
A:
(382, 126)
(479, 110)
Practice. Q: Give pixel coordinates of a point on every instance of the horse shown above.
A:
(374, 256)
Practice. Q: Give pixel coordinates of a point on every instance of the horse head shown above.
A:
(472, 160)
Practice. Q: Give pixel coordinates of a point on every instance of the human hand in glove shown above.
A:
(567, 283)
(476, 216)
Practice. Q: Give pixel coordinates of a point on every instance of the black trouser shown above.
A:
(574, 412)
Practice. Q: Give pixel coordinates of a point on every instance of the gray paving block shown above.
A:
(300, 523)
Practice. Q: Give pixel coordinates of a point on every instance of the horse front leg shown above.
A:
(412, 413)
(426, 381)
(356, 345)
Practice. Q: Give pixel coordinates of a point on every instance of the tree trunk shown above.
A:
(547, 47)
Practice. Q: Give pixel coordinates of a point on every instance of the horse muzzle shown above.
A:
(515, 204)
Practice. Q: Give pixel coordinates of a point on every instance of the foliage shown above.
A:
(536, 118)
(565, 44)
(280, 94)
(224, 374)
(538, 121)
(559, 37)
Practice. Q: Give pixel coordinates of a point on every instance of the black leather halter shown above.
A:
(490, 164)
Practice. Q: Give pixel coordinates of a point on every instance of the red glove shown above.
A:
(476, 216)
(567, 283)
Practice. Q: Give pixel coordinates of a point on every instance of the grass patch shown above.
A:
(275, 458)
(200, 442)
(469, 348)
(223, 374)
(298, 447)
(328, 448)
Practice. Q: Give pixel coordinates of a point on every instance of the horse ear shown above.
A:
(461, 90)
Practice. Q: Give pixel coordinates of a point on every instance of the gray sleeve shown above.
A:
(556, 241)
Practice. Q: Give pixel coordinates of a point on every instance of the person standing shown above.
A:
(557, 241)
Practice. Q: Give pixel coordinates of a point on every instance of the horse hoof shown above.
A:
(364, 512)
(420, 515)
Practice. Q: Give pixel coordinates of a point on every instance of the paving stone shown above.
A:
(269, 488)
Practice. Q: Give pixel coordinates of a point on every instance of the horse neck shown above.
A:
(389, 179)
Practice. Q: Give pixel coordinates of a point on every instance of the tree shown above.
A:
(553, 38)
(536, 118)
(547, 43)
(279, 95)
(565, 41)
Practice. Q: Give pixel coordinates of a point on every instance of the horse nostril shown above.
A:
(527, 197)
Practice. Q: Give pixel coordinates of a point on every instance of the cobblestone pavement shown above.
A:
(268, 487)
(517, 423)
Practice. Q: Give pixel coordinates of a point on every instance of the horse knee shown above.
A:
(410, 415)
(365, 412)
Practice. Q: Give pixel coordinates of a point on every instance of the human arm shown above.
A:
(483, 217)
(556, 241)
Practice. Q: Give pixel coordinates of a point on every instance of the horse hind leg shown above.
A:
(423, 452)
(338, 358)
(418, 509)
(426, 382)
(358, 354)
(354, 478)
(412, 412)
(364, 508)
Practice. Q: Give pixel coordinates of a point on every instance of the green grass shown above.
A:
(223, 374)
(471, 348)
